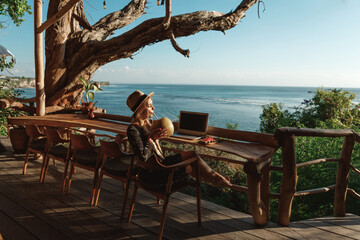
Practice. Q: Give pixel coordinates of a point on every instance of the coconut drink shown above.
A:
(163, 123)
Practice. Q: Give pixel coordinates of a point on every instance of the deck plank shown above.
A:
(182, 215)
(348, 222)
(80, 189)
(332, 229)
(12, 228)
(41, 202)
(25, 218)
(30, 210)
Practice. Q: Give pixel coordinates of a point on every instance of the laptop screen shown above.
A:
(193, 123)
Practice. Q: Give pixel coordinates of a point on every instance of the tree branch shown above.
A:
(186, 52)
(116, 20)
(83, 22)
(148, 32)
(166, 21)
(88, 55)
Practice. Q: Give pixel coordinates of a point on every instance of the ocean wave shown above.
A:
(256, 102)
(241, 101)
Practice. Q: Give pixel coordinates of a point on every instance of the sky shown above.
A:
(293, 43)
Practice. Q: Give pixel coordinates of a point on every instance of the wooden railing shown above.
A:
(286, 138)
(258, 173)
(255, 151)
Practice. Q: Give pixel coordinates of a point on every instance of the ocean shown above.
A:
(240, 105)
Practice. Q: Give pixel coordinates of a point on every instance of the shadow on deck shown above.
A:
(30, 210)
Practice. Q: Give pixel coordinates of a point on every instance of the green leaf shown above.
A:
(84, 82)
(91, 96)
(15, 10)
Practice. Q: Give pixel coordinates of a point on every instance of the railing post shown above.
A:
(342, 177)
(289, 180)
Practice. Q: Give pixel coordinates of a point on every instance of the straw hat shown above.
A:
(136, 100)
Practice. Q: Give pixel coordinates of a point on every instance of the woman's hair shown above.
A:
(137, 115)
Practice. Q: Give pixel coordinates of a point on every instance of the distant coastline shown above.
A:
(25, 82)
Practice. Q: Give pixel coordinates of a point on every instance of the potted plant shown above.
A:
(17, 134)
(88, 99)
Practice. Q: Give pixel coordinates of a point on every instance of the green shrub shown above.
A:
(273, 117)
(328, 109)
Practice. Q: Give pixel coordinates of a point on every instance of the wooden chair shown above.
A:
(115, 164)
(58, 148)
(36, 143)
(164, 190)
(85, 155)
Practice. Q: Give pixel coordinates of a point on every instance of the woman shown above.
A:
(144, 143)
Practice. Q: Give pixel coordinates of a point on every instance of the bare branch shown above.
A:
(166, 21)
(116, 20)
(148, 32)
(186, 52)
(258, 9)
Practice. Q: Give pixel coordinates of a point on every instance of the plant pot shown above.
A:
(19, 139)
(85, 106)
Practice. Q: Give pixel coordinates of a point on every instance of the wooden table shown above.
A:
(253, 152)
(71, 120)
(256, 148)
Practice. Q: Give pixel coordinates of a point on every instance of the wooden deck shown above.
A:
(30, 210)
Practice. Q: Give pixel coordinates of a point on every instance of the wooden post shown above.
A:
(342, 177)
(289, 180)
(39, 61)
(254, 193)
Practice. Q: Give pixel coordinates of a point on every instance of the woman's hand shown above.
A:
(159, 133)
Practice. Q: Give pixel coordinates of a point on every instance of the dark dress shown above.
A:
(138, 140)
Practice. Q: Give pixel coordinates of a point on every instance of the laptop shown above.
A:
(192, 125)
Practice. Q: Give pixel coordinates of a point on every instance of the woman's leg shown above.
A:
(206, 173)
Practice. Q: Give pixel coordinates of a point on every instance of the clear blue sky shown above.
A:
(294, 43)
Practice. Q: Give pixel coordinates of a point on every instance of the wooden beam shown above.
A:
(39, 60)
(357, 171)
(342, 177)
(353, 193)
(57, 16)
(289, 180)
(322, 160)
(312, 132)
(262, 138)
(314, 191)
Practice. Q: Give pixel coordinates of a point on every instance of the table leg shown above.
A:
(257, 207)
(265, 189)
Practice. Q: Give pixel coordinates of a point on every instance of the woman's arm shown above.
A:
(143, 150)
